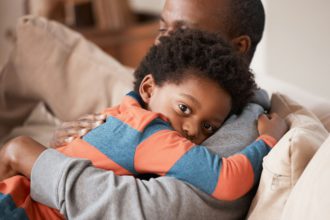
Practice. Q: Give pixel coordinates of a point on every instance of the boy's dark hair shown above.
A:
(209, 54)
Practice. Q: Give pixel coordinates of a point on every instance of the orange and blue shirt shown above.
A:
(136, 141)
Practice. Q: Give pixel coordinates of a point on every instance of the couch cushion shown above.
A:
(323, 113)
(285, 163)
(39, 125)
(320, 108)
(318, 105)
(59, 67)
(310, 198)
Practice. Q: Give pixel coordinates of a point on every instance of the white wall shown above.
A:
(296, 44)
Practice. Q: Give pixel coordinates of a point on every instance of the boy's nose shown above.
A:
(190, 130)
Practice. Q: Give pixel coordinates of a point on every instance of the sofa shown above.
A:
(36, 98)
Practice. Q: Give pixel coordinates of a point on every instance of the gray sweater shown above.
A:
(81, 191)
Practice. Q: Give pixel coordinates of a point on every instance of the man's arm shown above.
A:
(78, 189)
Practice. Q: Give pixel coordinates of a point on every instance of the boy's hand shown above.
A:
(6, 169)
(68, 131)
(272, 125)
(18, 156)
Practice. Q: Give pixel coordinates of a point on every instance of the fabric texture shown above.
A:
(152, 146)
(283, 166)
(39, 125)
(317, 105)
(52, 61)
(120, 197)
(310, 198)
(239, 130)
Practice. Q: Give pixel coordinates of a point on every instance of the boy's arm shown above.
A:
(78, 189)
(81, 190)
(223, 178)
(240, 172)
(18, 155)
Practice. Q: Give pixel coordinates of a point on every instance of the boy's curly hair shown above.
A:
(213, 57)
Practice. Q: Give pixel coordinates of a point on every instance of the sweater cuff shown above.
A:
(269, 140)
(46, 175)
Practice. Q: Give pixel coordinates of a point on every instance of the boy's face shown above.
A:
(196, 107)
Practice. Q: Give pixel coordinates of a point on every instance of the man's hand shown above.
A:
(272, 125)
(68, 131)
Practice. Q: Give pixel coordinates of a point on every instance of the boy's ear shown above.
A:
(147, 87)
(242, 44)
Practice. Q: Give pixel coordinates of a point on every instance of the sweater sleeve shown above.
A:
(80, 190)
(223, 178)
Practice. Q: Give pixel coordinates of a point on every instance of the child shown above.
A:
(185, 88)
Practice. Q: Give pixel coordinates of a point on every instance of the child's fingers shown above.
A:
(273, 115)
(263, 118)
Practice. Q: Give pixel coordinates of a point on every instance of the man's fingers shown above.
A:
(89, 124)
(100, 117)
(69, 139)
(68, 131)
(61, 141)
(83, 131)
(93, 117)
(60, 132)
(70, 124)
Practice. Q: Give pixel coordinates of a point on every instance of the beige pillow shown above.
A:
(59, 67)
(323, 113)
(40, 125)
(283, 166)
(316, 104)
(320, 109)
(310, 198)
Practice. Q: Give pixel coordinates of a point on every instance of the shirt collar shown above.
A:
(137, 97)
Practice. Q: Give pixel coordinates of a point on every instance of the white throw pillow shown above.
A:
(283, 166)
(310, 198)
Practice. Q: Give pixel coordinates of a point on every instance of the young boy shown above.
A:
(185, 88)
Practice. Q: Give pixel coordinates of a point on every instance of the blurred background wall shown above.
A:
(296, 44)
(295, 47)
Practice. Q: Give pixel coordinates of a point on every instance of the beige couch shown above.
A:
(68, 74)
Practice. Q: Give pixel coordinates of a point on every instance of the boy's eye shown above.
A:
(209, 128)
(184, 109)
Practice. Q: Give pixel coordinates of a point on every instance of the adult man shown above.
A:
(240, 22)
(98, 194)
